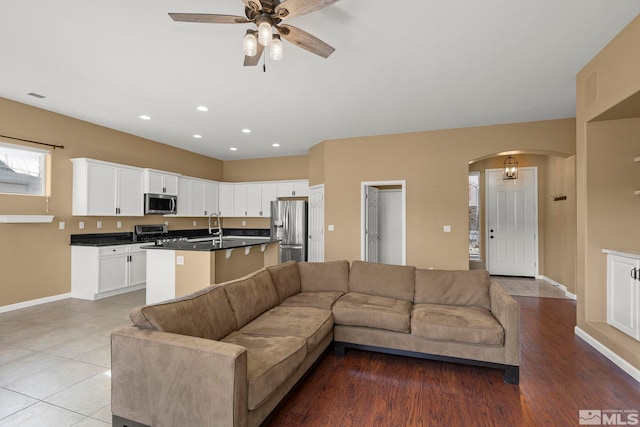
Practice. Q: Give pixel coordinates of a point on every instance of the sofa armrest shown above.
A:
(507, 311)
(164, 379)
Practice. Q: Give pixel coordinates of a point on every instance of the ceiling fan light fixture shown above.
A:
(276, 50)
(265, 32)
(250, 44)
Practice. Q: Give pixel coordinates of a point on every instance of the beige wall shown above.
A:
(435, 166)
(35, 260)
(608, 89)
(267, 169)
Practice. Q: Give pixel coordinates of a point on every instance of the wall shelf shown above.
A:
(22, 219)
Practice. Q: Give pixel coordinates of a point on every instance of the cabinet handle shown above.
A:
(634, 273)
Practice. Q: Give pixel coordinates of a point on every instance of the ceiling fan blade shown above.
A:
(208, 18)
(305, 40)
(291, 8)
(250, 61)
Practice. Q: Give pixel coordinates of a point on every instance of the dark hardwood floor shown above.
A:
(559, 375)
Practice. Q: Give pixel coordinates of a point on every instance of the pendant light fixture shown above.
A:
(250, 43)
(276, 48)
(510, 168)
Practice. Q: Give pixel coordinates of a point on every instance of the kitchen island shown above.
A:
(178, 268)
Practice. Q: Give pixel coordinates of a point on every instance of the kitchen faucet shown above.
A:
(219, 235)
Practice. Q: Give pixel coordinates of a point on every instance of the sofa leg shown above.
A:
(339, 349)
(512, 374)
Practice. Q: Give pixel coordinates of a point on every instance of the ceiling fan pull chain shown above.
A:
(264, 63)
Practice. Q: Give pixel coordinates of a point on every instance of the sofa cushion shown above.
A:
(472, 325)
(324, 300)
(285, 278)
(251, 296)
(355, 309)
(310, 324)
(324, 276)
(391, 281)
(466, 288)
(204, 314)
(270, 361)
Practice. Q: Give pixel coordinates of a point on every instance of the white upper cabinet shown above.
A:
(298, 188)
(160, 182)
(197, 197)
(211, 189)
(240, 192)
(184, 197)
(254, 200)
(106, 189)
(269, 194)
(225, 199)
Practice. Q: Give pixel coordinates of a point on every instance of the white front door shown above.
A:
(316, 224)
(371, 224)
(512, 223)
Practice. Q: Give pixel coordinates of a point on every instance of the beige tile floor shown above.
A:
(55, 357)
(55, 360)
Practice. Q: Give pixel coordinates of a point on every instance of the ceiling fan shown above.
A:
(267, 15)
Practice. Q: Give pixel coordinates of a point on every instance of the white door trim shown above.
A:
(315, 236)
(363, 207)
(536, 224)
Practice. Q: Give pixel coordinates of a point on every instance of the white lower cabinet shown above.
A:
(623, 292)
(104, 271)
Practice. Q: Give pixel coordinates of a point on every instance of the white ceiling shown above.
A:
(399, 66)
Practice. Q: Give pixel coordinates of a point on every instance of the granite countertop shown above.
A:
(212, 245)
(127, 238)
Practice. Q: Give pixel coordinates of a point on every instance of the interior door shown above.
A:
(512, 223)
(316, 224)
(371, 224)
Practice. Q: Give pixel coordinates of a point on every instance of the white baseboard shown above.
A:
(619, 361)
(31, 303)
(561, 286)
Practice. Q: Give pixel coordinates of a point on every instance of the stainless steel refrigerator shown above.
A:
(289, 225)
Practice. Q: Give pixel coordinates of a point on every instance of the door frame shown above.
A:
(363, 208)
(312, 189)
(536, 236)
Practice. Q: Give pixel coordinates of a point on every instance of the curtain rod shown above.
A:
(34, 142)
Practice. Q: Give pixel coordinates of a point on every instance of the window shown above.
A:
(22, 170)
(474, 215)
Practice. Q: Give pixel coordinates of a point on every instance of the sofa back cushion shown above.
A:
(330, 276)
(286, 279)
(391, 281)
(250, 296)
(204, 314)
(463, 288)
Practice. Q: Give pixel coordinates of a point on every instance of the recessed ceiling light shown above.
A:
(145, 117)
(233, 149)
(246, 130)
(202, 108)
(197, 136)
(275, 144)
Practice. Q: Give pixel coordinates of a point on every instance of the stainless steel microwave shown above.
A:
(160, 204)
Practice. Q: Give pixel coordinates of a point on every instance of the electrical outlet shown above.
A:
(61, 225)
(180, 260)
(99, 224)
(118, 224)
(194, 223)
(446, 229)
(330, 227)
(244, 222)
(81, 225)
(166, 223)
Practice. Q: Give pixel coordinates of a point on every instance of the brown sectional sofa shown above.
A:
(228, 354)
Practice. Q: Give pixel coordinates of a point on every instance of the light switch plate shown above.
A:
(447, 229)
(119, 224)
(180, 260)
(61, 225)
(330, 227)
(81, 225)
